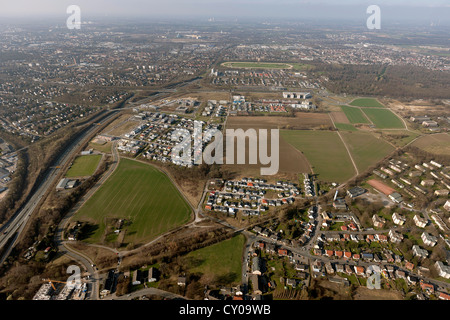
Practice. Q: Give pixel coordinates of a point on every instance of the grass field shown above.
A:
(366, 150)
(436, 143)
(354, 115)
(345, 127)
(383, 118)
(141, 194)
(257, 65)
(324, 150)
(366, 103)
(221, 260)
(84, 166)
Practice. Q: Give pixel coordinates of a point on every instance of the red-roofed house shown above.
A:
(427, 287)
(282, 252)
(370, 238)
(329, 253)
(356, 256)
(338, 254)
(344, 228)
(359, 270)
(443, 296)
(352, 227)
(409, 266)
(347, 254)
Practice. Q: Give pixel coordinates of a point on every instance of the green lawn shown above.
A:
(223, 260)
(354, 115)
(84, 166)
(367, 103)
(141, 194)
(324, 150)
(383, 118)
(366, 150)
(345, 127)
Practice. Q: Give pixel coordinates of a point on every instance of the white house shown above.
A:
(444, 271)
(419, 221)
(429, 239)
(398, 219)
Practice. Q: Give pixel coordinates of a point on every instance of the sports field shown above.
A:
(354, 115)
(221, 260)
(324, 150)
(366, 103)
(257, 65)
(140, 194)
(366, 150)
(84, 166)
(383, 118)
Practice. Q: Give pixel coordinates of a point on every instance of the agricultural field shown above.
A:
(142, 195)
(366, 103)
(436, 143)
(345, 127)
(383, 118)
(257, 65)
(399, 137)
(366, 150)
(325, 151)
(221, 260)
(354, 115)
(84, 166)
(291, 163)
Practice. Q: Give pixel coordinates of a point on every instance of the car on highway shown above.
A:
(5, 232)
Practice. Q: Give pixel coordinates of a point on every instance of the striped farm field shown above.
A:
(366, 150)
(142, 195)
(366, 103)
(383, 118)
(354, 115)
(324, 151)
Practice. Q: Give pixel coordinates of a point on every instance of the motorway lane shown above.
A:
(19, 220)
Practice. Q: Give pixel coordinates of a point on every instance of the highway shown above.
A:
(12, 229)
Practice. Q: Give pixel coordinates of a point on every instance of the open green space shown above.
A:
(105, 148)
(354, 115)
(383, 118)
(345, 127)
(84, 166)
(142, 195)
(366, 149)
(324, 150)
(222, 260)
(366, 103)
(257, 65)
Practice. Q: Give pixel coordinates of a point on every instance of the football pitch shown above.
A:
(142, 195)
(366, 103)
(84, 166)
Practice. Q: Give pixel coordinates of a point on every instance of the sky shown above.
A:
(419, 10)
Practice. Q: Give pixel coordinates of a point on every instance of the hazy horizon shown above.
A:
(400, 11)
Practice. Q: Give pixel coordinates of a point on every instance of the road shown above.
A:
(12, 229)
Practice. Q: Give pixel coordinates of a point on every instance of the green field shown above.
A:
(345, 127)
(366, 149)
(256, 65)
(367, 103)
(354, 115)
(84, 166)
(325, 151)
(141, 194)
(383, 118)
(221, 260)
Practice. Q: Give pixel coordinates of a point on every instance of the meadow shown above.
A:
(354, 115)
(142, 195)
(383, 118)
